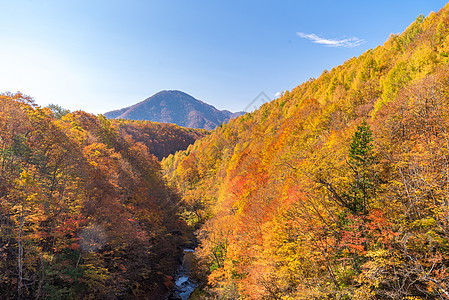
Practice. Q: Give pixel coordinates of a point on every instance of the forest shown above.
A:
(338, 189)
(84, 210)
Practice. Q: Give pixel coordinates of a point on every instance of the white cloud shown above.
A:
(348, 42)
(277, 94)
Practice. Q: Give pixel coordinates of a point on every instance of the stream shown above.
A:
(183, 285)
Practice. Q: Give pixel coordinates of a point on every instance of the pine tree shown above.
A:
(361, 161)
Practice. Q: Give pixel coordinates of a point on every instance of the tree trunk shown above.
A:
(20, 255)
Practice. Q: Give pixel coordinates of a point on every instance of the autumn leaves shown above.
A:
(84, 211)
(338, 189)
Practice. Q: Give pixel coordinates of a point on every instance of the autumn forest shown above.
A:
(338, 189)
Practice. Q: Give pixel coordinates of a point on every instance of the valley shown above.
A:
(337, 189)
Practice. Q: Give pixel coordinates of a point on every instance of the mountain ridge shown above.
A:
(177, 107)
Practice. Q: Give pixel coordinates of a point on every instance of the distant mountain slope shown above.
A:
(161, 139)
(175, 107)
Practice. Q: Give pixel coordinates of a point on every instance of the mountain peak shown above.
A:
(174, 106)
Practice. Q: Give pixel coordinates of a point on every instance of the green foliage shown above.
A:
(62, 276)
(361, 147)
(58, 111)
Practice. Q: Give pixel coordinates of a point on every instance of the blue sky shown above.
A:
(102, 55)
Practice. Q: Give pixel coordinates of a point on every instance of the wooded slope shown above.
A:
(336, 190)
(162, 139)
(84, 211)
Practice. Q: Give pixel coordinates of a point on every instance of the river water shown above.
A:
(183, 285)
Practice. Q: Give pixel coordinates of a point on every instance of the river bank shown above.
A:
(183, 284)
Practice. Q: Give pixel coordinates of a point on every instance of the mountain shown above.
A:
(175, 107)
(338, 189)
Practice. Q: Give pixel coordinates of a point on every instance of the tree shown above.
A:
(58, 111)
(360, 161)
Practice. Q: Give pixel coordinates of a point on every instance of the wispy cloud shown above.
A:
(348, 42)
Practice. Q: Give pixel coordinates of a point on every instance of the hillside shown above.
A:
(336, 190)
(161, 139)
(84, 210)
(175, 107)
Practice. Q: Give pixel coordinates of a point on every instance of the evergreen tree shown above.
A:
(361, 161)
